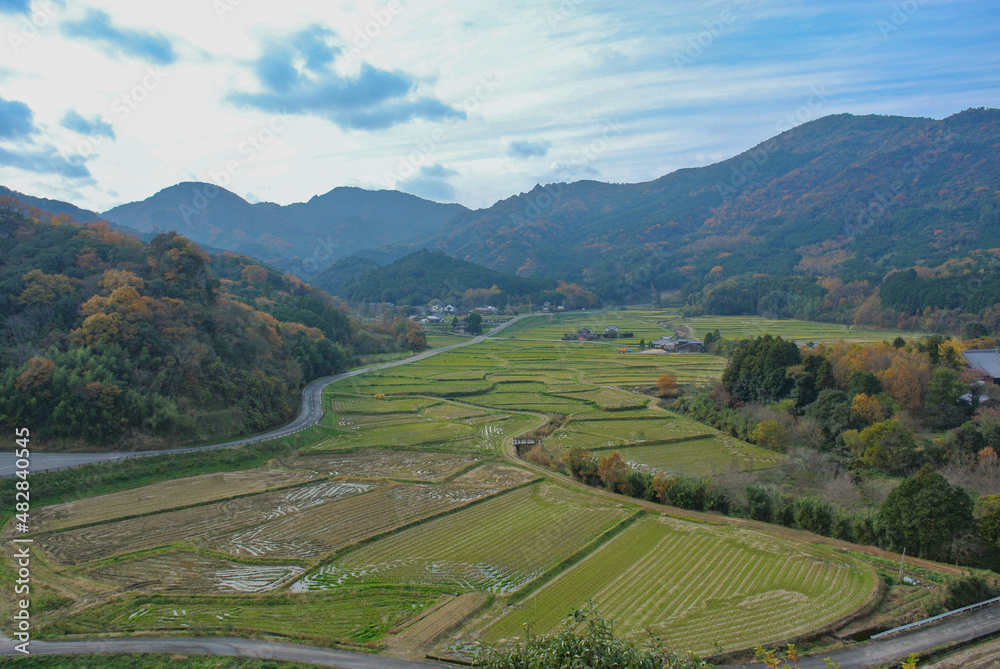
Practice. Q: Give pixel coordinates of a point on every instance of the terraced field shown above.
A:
(195, 573)
(353, 615)
(125, 536)
(646, 324)
(697, 585)
(166, 495)
(741, 327)
(497, 546)
(716, 454)
(403, 498)
(382, 463)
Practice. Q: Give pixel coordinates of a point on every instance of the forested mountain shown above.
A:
(424, 276)
(873, 220)
(303, 237)
(808, 223)
(53, 206)
(107, 341)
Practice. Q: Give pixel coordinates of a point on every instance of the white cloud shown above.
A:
(556, 74)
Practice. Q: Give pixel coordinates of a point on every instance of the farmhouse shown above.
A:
(986, 361)
(431, 320)
(672, 345)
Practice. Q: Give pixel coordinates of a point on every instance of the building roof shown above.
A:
(985, 360)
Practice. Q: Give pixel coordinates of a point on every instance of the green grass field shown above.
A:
(697, 585)
(652, 324)
(354, 615)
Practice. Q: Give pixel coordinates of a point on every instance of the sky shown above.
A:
(104, 102)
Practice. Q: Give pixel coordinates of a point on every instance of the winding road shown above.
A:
(883, 651)
(310, 413)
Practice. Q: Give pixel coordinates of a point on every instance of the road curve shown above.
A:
(310, 413)
(323, 657)
(894, 648)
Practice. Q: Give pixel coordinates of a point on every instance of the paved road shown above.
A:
(310, 413)
(323, 657)
(892, 649)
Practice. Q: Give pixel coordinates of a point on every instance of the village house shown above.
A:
(671, 345)
(985, 361)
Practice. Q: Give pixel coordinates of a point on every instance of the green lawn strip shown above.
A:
(355, 617)
(576, 558)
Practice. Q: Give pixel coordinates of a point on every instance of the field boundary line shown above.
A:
(185, 507)
(345, 550)
(567, 565)
(654, 442)
(97, 563)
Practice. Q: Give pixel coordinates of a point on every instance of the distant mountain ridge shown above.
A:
(53, 206)
(852, 197)
(302, 237)
(423, 276)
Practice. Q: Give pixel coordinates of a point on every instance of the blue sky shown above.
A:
(107, 102)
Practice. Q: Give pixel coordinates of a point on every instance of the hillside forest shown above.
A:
(110, 342)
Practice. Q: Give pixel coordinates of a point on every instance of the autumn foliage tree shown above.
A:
(111, 342)
(666, 384)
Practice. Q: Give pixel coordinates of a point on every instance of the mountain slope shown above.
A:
(303, 237)
(109, 342)
(423, 276)
(844, 196)
(53, 206)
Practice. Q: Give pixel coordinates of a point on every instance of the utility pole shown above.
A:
(900, 579)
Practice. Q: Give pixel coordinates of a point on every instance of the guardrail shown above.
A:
(921, 623)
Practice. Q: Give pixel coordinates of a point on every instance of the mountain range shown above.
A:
(301, 237)
(840, 201)
(847, 196)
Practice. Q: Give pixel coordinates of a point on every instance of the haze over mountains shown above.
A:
(842, 194)
(851, 197)
(301, 237)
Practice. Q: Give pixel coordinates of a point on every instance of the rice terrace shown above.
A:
(406, 522)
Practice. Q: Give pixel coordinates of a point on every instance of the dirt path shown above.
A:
(417, 638)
